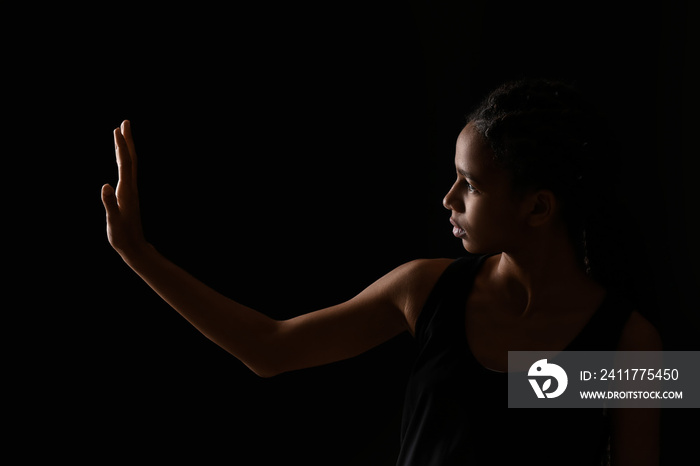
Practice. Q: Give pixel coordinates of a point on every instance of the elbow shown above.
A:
(266, 360)
(269, 362)
(244, 343)
(273, 355)
(264, 371)
(264, 368)
(262, 354)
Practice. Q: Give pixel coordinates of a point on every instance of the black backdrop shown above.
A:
(289, 156)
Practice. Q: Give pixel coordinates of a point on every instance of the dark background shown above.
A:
(290, 156)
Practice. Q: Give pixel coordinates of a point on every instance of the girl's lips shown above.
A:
(457, 230)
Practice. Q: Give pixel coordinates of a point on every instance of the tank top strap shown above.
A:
(438, 308)
(603, 330)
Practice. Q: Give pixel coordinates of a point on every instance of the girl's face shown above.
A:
(486, 214)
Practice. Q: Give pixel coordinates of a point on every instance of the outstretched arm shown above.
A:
(268, 347)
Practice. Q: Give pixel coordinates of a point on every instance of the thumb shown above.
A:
(109, 200)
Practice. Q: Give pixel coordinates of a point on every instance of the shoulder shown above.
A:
(635, 435)
(415, 281)
(639, 334)
(419, 269)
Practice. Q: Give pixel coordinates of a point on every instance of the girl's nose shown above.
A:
(450, 201)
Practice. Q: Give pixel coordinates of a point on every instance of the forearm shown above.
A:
(240, 330)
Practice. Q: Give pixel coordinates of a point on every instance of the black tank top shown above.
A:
(455, 411)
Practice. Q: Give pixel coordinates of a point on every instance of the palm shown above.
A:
(122, 207)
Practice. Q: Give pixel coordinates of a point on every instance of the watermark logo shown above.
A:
(546, 372)
(603, 379)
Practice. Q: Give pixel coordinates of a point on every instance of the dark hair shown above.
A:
(548, 136)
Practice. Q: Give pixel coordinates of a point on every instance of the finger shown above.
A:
(128, 137)
(123, 159)
(109, 200)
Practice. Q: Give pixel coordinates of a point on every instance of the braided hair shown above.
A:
(548, 136)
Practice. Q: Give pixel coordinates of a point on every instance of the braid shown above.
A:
(546, 135)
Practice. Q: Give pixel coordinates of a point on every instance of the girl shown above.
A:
(526, 208)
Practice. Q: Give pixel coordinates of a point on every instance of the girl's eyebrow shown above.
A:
(466, 174)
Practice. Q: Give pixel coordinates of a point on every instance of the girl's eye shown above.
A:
(470, 188)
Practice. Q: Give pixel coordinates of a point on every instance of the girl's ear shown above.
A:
(542, 207)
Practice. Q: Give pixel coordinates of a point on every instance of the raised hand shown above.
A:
(124, 229)
(265, 345)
